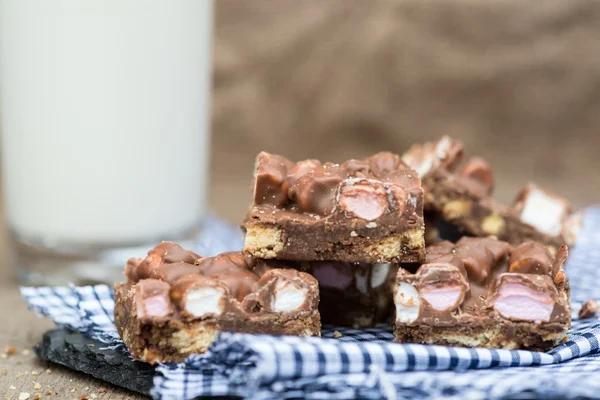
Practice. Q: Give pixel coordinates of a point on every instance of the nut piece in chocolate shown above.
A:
(482, 292)
(458, 190)
(367, 211)
(175, 302)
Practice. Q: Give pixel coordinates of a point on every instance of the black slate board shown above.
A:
(75, 351)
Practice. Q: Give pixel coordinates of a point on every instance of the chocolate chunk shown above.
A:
(355, 168)
(478, 260)
(382, 164)
(171, 272)
(240, 282)
(589, 309)
(440, 248)
(131, 269)
(558, 272)
(531, 258)
(315, 191)
(480, 171)
(270, 180)
(164, 253)
(223, 263)
(300, 169)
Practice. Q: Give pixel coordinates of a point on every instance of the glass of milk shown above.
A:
(104, 122)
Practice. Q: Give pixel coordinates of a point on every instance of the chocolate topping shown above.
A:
(490, 289)
(478, 259)
(131, 269)
(382, 164)
(317, 188)
(223, 263)
(171, 272)
(300, 169)
(531, 258)
(164, 253)
(270, 179)
(440, 248)
(240, 282)
(480, 171)
(498, 248)
(315, 192)
(228, 282)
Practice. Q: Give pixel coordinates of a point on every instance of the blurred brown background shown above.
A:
(517, 81)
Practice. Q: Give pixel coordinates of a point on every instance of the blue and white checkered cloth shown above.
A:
(361, 363)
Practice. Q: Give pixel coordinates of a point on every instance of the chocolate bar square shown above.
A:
(367, 210)
(458, 191)
(175, 302)
(482, 292)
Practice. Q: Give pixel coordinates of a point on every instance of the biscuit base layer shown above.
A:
(173, 339)
(509, 335)
(289, 243)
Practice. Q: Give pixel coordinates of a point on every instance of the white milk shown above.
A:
(104, 108)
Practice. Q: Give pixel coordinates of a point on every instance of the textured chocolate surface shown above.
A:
(353, 295)
(458, 190)
(367, 210)
(484, 292)
(175, 302)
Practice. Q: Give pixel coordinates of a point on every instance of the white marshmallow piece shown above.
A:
(204, 301)
(543, 212)
(361, 281)
(442, 147)
(407, 303)
(288, 297)
(379, 273)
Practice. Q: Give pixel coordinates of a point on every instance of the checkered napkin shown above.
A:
(361, 363)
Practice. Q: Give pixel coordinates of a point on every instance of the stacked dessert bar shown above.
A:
(348, 224)
(344, 244)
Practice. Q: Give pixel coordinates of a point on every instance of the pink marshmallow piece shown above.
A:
(329, 275)
(517, 301)
(441, 298)
(155, 306)
(364, 206)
